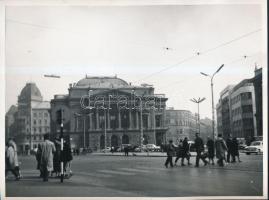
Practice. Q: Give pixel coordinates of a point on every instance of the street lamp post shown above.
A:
(198, 101)
(212, 96)
(141, 119)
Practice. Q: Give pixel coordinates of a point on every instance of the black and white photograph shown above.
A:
(137, 99)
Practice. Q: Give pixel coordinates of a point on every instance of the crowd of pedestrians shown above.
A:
(225, 151)
(48, 157)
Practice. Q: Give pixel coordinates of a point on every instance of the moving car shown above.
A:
(255, 147)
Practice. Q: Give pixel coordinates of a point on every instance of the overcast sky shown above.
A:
(132, 41)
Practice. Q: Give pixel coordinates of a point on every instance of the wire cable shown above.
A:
(202, 53)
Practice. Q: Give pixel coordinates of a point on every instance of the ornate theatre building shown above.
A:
(107, 111)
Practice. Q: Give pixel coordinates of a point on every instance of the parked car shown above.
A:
(255, 147)
(153, 147)
(108, 149)
(129, 146)
(192, 146)
(242, 146)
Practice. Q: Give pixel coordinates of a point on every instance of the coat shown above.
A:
(170, 150)
(211, 148)
(199, 144)
(220, 148)
(47, 149)
(11, 158)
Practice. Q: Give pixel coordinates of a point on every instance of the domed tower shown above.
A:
(32, 114)
(30, 92)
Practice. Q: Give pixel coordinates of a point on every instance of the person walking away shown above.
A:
(229, 146)
(12, 163)
(199, 146)
(57, 157)
(112, 150)
(46, 162)
(186, 152)
(220, 150)
(126, 151)
(235, 150)
(67, 157)
(38, 159)
(211, 150)
(170, 153)
(179, 151)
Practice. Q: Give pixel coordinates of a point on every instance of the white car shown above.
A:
(153, 147)
(255, 147)
(108, 149)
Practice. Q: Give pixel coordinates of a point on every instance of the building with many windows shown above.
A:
(257, 82)
(238, 112)
(31, 119)
(243, 109)
(224, 122)
(183, 123)
(107, 111)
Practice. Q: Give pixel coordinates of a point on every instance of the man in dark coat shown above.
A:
(235, 150)
(211, 150)
(179, 151)
(185, 152)
(229, 146)
(170, 153)
(199, 146)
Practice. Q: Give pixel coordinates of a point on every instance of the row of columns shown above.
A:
(151, 120)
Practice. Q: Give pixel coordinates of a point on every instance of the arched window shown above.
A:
(125, 139)
(114, 141)
(102, 142)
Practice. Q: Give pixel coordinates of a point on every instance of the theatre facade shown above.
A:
(108, 111)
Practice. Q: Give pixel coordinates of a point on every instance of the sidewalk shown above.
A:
(140, 154)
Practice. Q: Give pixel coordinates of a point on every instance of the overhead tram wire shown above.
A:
(228, 63)
(167, 68)
(202, 53)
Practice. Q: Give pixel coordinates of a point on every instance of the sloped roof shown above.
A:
(13, 109)
(30, 92)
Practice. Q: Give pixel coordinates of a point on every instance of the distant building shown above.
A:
(183, 123)
(243, 108)
(96, 113)
(237, 109)
(257, 82)
(10, 119)
(224, 122)
(32, 119)
(206, 128)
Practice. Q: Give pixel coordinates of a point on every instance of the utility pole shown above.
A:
(198, 101)
(212, 96)
(59, 118)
